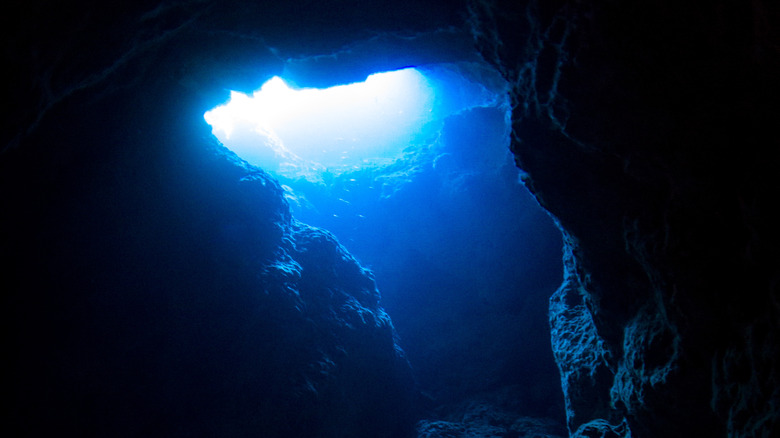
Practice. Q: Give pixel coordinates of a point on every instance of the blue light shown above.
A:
(305, 132)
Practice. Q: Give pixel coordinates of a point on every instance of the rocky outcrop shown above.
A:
(155, 285)
(639, 127)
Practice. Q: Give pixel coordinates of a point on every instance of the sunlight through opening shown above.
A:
(303, 132)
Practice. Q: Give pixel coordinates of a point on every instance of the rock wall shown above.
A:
(154, 285)
(644, 129)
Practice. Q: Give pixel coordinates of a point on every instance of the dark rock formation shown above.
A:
(644, 129)
(158, 287)
(155, 286)
(489, 416)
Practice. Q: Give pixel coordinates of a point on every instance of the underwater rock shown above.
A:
(485, 419)
(638, 128)
(354, 379)
(160, 286)
(581, 354)
(199, 307)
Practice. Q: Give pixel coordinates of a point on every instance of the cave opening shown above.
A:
(417, 181)
(306, 132)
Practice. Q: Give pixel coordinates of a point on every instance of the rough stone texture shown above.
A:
(166, 291)
(490, 417)
(643, 128)
(154, 285)
(582, 358)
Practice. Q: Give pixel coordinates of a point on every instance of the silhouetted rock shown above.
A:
(642, 129)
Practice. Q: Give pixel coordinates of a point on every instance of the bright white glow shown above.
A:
(297, 132)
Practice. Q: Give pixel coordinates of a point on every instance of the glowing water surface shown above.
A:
(303, 132)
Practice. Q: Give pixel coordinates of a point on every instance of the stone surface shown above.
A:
(488, 417)
(159, 287)
(641, 128)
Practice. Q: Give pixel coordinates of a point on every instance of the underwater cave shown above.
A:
(466, 218)
(411, 171)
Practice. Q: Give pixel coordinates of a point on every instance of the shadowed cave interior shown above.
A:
(580, 243)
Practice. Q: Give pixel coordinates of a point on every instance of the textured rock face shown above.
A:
(157, 287)
(640, 129)
(153, 284)
(491, 417)
(160, 288)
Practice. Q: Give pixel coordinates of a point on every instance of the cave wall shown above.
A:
(645, 129)
(154, 285)
(642, 128)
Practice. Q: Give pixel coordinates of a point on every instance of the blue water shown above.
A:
(463, 256)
